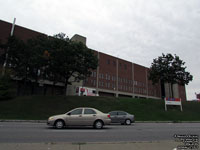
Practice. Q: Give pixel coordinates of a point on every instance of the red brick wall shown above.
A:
(140, 80)
(20, 32)
(91, 81)
(125, 76)
(107, 71)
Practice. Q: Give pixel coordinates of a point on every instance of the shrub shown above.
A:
(7, 90)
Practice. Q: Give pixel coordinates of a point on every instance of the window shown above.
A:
(76, 112)
(108, 61)
(108, 85)
(89, 111)
(125, 66)
(114, 63)
(121, 113)
(135, 82)
(108, 77)
(113, 113)
(100, 75)
(95, 74)
(113, 78)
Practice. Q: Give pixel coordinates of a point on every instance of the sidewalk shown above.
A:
(163, 145)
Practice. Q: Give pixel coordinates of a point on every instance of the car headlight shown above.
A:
(51, 118)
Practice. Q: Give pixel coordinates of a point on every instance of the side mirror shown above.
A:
(69, 114)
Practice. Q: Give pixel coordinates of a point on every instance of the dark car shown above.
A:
(121, 117)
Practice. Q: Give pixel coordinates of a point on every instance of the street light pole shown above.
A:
(5, 62)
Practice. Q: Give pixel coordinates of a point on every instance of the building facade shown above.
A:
(113, 77)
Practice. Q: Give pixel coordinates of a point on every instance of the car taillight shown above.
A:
(108, 116)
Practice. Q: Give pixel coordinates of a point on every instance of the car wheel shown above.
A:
(128, 122)
(59, 124)
(98, 124)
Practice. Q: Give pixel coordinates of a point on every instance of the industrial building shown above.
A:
(113, 77)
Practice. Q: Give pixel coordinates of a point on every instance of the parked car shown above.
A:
(121, 117)
(80, 117)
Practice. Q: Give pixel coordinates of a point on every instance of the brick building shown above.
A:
(113, 77)
(198, 96)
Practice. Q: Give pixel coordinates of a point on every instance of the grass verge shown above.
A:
(41, 107)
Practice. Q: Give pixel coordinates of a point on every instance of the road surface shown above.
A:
(26, 132)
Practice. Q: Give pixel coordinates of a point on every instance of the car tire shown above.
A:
(59, 124)
(98, 124)
(127, 122)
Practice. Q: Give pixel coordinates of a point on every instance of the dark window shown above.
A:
(108, 61)
(113, 113)
(121, 113)
(76, 112)
(125, 66)
(89, 111)
(114, 63)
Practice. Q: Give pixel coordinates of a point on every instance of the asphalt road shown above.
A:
(19, 132)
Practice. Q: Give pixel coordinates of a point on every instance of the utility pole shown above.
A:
(5, 62)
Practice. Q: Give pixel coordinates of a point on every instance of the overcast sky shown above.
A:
(134, 30)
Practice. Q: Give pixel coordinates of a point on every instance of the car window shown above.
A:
(113, 113)
(76, 112)
(89, 111)
(121, 113)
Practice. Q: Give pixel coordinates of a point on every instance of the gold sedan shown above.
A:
(80, 117)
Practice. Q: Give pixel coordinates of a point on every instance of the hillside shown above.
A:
(41, 107)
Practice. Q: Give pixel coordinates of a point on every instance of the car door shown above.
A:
(75, 117)
(113, 117)
(89, 116)
(121, 117)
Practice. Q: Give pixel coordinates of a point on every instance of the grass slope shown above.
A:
(41, 107)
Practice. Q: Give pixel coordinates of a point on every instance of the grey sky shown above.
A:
(135, 30)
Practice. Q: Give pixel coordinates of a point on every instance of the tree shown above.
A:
(71, 61)
(56, 58)
(169, 69)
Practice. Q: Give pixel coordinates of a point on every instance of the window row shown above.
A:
(140, 90)
(120, 79)
(107, 77)
(125, 88)
(113, 62)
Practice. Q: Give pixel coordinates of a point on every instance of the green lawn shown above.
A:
(41, 107)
